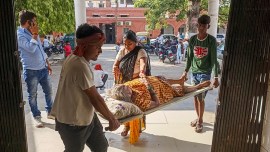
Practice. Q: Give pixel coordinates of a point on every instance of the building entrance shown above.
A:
(110, 33)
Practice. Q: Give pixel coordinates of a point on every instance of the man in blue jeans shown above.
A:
(36, 68)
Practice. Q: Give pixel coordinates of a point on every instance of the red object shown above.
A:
(67, 49)
(200, 52)
(98, 67)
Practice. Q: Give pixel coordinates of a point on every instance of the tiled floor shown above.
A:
(166, 131)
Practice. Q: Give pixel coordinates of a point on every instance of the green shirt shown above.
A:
(202, 55)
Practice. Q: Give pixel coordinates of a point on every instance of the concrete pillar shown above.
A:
(80, 12)
(213, 7)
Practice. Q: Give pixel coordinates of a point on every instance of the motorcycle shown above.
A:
(162, 54)
(171, 56)
(48, 51)
(58, 48)
(149, 48)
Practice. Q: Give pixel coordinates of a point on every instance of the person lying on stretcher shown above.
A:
(151, 91)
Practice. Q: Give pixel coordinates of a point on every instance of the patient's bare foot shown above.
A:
(125, 131)
(204, 84)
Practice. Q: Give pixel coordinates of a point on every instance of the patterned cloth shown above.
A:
(163, 90)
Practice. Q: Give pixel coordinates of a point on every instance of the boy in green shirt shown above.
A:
(202, 58)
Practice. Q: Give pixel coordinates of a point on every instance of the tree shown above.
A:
(223, 12)
(52, 15)
(158, 10)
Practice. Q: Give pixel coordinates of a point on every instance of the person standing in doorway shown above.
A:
(202, 59)
(36, 67)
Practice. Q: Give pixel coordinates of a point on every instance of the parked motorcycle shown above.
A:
(166, 52)
(58, 48)
(171, 56)
(162, 54)
(149, 48)
(48, 51)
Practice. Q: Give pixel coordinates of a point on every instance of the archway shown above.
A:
(181, 31)
(168, 30)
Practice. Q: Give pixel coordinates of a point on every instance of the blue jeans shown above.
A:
(32, 79)
(198, 78)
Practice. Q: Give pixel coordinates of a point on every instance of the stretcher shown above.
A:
(174, 100)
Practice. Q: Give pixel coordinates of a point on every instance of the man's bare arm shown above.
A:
(99, 104)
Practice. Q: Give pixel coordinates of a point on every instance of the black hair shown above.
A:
(130, 35)
(204, 19)
(25, 15)
(85, 30)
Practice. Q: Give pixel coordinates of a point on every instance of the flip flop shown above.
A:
(194, 123)
(199, 127)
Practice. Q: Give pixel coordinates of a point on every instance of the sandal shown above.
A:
(194, 123)
(199, 128)
(125, 131)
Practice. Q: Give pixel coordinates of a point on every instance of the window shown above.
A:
(110, 15)
(124, 15)
(101, 5)
(129, 2)
(96, 15)
(122, 2)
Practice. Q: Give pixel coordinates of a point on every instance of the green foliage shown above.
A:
(157, 9)
(223, 12)
(52, 15)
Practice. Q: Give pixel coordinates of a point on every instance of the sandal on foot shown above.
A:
(125, 131)
(194, 123)
(199, 127)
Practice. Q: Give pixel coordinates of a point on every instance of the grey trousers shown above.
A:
(75, 137)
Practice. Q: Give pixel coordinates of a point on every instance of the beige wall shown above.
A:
(266, 125)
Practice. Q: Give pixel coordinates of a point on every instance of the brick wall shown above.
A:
(135, 16)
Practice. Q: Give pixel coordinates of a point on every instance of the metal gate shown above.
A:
(12, 122)
(245, 76)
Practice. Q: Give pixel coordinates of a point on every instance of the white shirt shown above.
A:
(98, 75)
(46, 43)
(71, 104)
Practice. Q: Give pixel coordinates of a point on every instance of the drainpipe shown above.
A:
(116, 16)
(80, 12)
(213, 7)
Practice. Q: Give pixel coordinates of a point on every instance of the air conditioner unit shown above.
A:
(128, 23)
(119, 23)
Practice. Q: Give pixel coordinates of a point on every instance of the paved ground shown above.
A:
(167, 129)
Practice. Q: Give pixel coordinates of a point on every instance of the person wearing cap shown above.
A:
(77, 99)
(202, 59)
